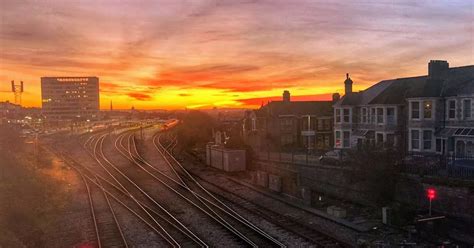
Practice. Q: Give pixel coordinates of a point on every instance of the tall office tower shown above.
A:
(70, 98)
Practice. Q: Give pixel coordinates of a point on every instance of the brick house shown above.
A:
(290, 126)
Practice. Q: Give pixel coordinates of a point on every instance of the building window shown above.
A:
(466, 109)
(286, 124)
(391, 116)
(346, 113)
(338, 115)
(346, 139)
(427, 109)
(364, 115)
(372, 115)
(451, 109)
(379, 115)
(415, 110)
(338, 138)
(427, 138)
(415, 139)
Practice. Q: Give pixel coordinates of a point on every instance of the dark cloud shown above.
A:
(264, 100)
(139, 96)
(184, 94)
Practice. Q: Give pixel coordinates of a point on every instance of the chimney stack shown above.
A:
(348, 84)
(286, 96)
(437, 68)
(335, 97)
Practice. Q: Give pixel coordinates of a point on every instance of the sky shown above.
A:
(175, 54)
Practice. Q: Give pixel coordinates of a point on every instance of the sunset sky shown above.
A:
(226, 53)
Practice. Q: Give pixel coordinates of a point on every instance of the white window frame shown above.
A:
(411, 110)
(395, 119)
(448, 109)
(377, 115)
(421, 140)
(343, 115)
(410, 144)
(422, 109)
(338, 113)
(470, 117)
(373, 115)
(431, 140)
(364, 116)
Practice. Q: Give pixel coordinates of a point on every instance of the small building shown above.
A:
(229, 160)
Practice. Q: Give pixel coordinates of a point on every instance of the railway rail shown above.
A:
(112, 181)
(247, 233)
(295, 226)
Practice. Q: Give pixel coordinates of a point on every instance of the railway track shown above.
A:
(107, 228)
(244, 231)
(120, 185)
(298, 227)
(288, 223)
(171, 230)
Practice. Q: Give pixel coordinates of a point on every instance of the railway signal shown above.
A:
(431, 194)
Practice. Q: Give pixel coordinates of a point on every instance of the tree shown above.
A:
(376, 168)
(195, 128)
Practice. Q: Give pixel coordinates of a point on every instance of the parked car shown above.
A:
(334, 157)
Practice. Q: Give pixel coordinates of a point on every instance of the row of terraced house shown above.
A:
(423, 115)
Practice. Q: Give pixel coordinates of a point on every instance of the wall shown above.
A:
(410, 190)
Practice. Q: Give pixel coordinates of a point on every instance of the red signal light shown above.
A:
(431, 193)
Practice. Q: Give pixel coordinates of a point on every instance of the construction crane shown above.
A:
(17, 90)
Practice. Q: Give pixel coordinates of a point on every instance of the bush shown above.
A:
(28, 200)
(376, 168)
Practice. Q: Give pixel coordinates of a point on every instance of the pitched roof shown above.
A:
(365, 96)
(456, 81)
(321, 108)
